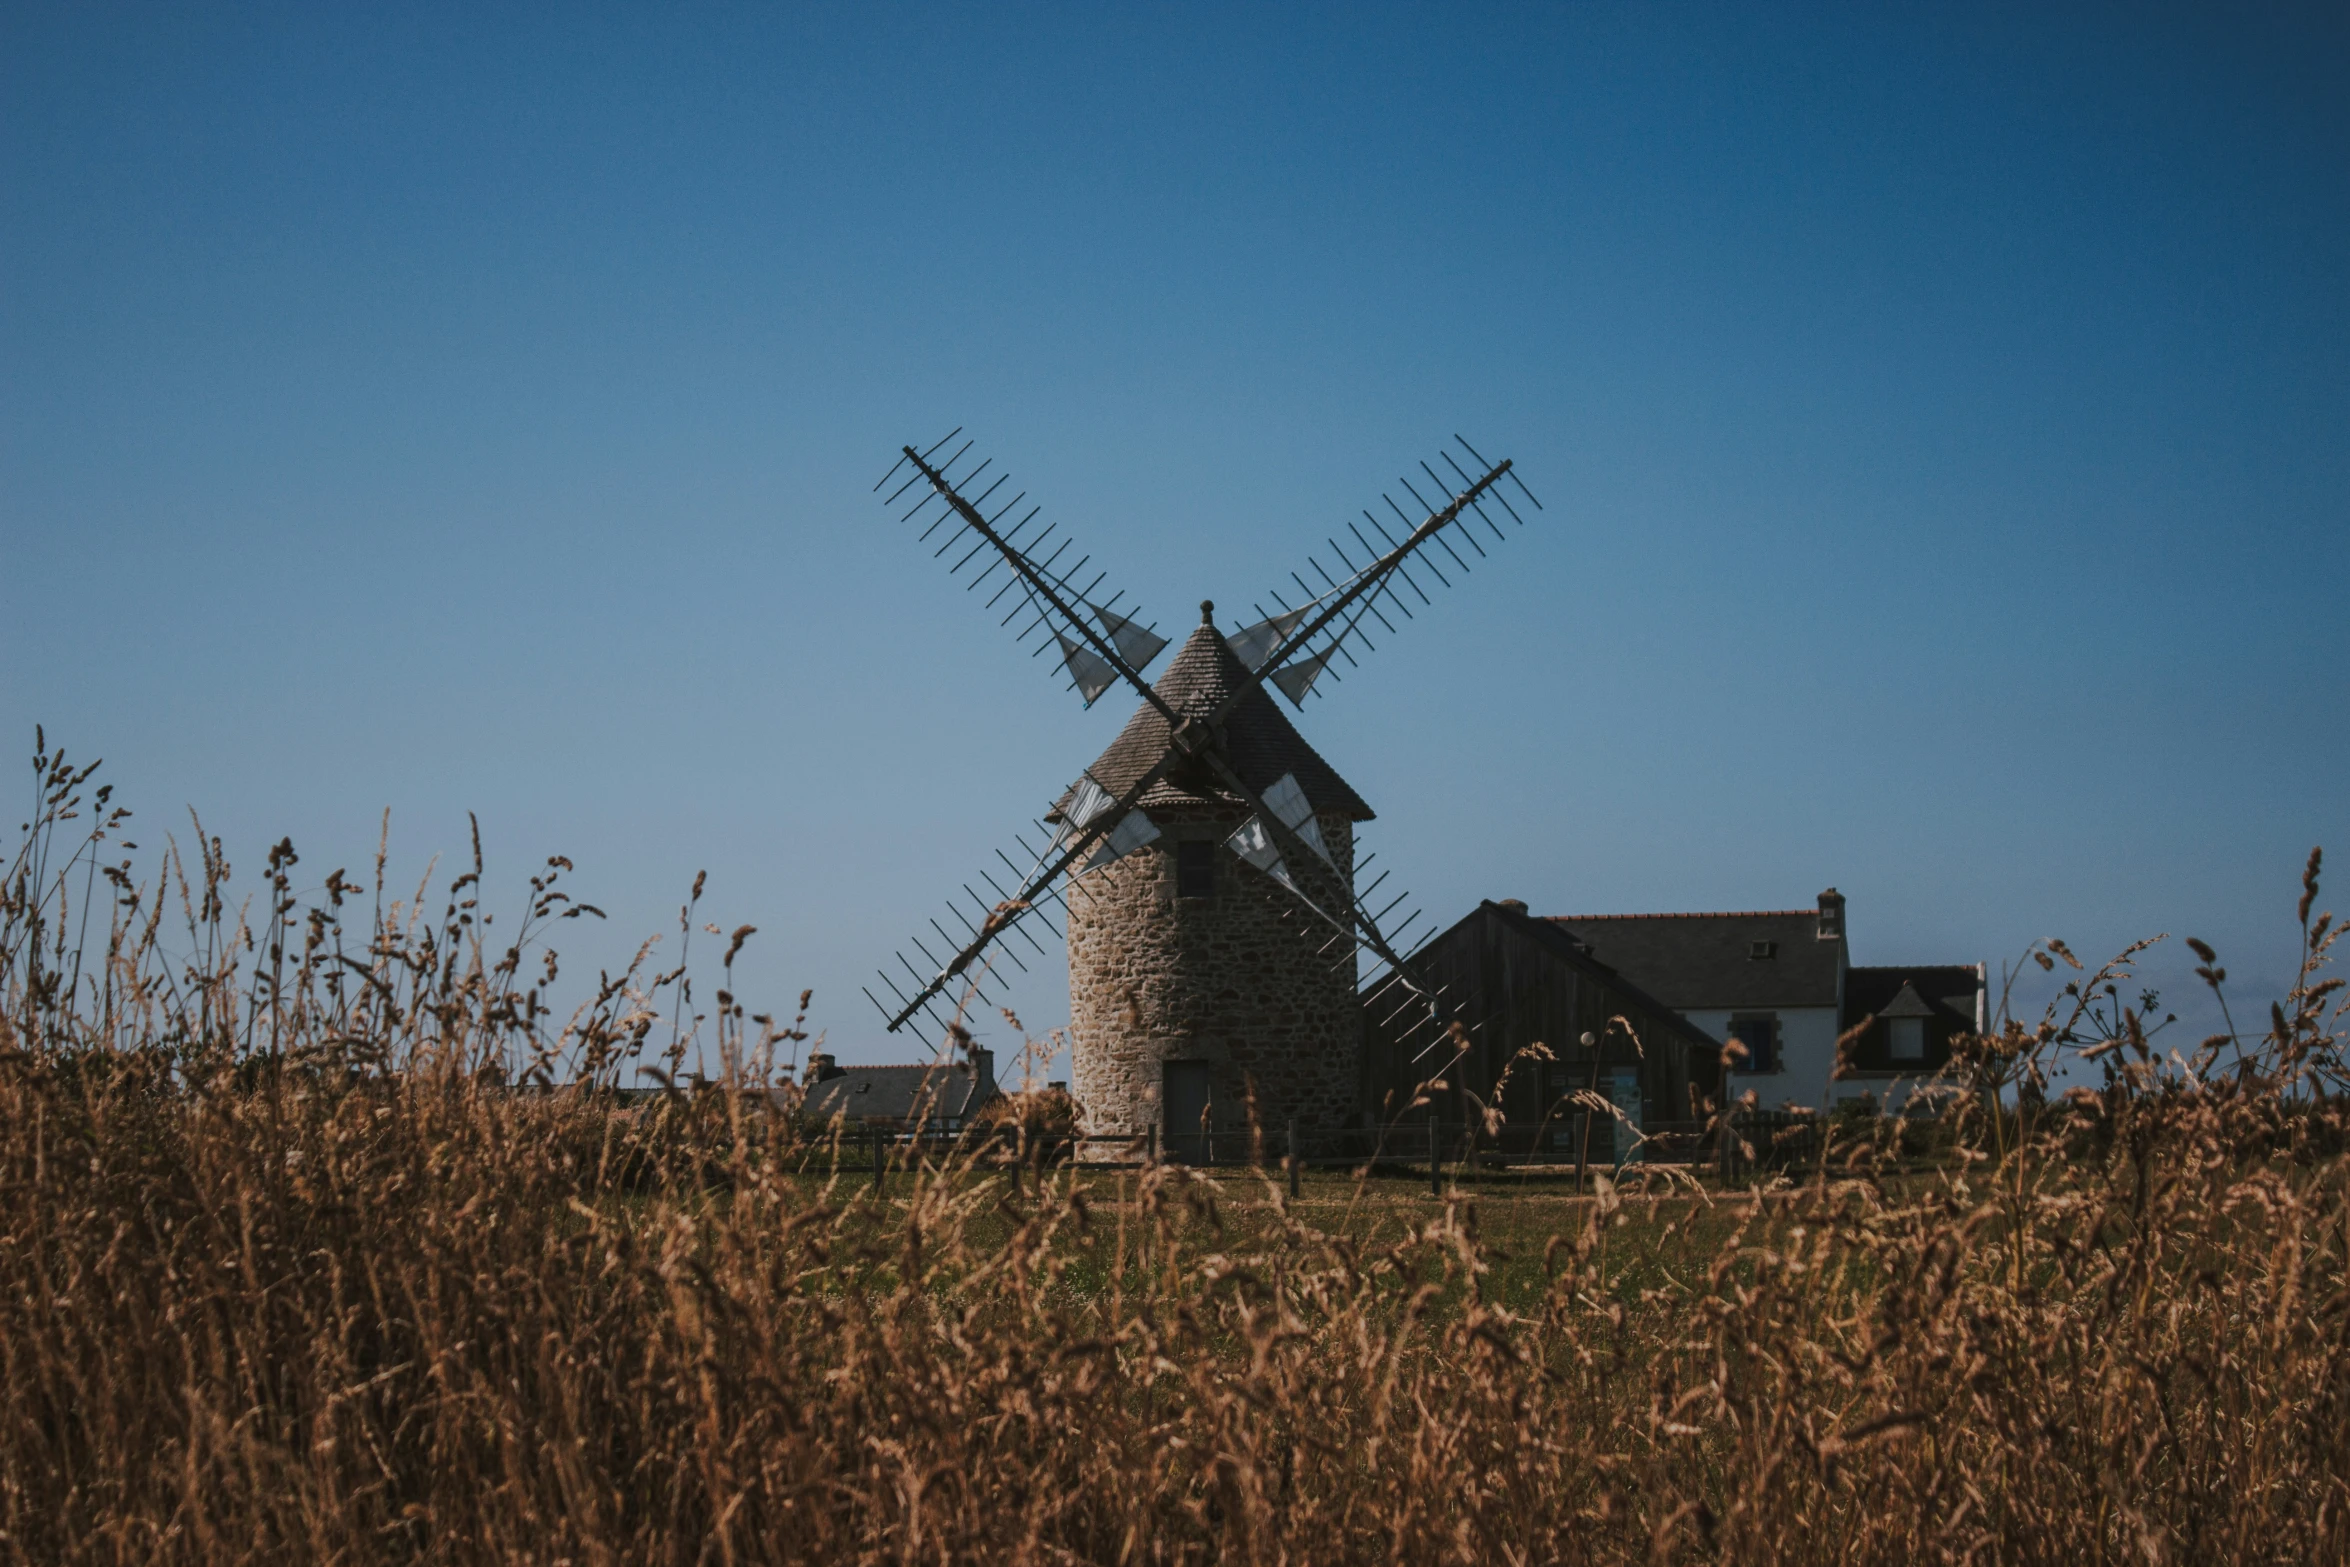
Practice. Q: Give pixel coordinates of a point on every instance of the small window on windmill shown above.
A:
(1195, 869)
(1762, 951)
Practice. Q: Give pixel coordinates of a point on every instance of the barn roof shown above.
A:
(1259, 738)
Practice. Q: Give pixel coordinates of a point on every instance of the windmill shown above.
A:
(1204, 864)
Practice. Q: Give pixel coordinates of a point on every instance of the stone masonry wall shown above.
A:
(1238, 980)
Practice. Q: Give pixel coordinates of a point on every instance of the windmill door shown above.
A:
(1188, 1107)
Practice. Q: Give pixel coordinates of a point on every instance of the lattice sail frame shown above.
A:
(1299, 663)
(1100, 642)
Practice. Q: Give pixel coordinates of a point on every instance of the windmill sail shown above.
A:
(1138, 645)
(1359, 592)
(1288, 802)
(1089, 670)
(1086, 800)
(1134, 829)
(1050, 585)
(1254, 844)
(1094, 828)
(1297, 677)
(1252, 645)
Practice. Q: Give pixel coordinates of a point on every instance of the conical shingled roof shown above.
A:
(1259, 739)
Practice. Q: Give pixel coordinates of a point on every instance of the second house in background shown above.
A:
(1781, 983)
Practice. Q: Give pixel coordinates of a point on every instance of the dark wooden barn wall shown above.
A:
(1517, 994)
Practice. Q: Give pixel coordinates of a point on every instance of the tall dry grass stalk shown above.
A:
(329, 1245)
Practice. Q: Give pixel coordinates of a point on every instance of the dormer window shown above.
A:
(1761, 951)
(1905, 1027)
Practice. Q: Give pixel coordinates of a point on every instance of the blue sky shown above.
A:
(1941, 416)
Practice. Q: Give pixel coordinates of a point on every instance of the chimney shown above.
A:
(982, 1069)
(821, 1065)
(1831, 915)
(1514, 905)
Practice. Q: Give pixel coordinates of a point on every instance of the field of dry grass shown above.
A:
(321, 1241)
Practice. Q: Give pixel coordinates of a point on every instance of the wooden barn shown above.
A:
(1513, 981)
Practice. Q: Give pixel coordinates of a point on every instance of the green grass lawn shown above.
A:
(1656, 1232)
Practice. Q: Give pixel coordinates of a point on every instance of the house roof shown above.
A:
(1947, 990)
(1694, 962)
(1259, 739)
(947, 1091)
(1562, 947)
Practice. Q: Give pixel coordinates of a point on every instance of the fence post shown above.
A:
(1293, 1156)
(878, 1157)
(1150, 1144)
(1435, 1160)
(1583, 1142)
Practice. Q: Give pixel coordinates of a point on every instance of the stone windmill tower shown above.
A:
(1206, 861)
(1196, 1003)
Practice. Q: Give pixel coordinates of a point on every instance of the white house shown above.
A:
(1781, 982)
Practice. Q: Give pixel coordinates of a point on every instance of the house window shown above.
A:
(1760, 1036)
(1762, 951)
(1195, 869)
(1907, 1040)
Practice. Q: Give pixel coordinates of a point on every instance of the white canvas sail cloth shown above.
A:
(1136, 644)
(1087, 801)
(1134, 829)
(1253, 840)
(1254, 844)
(1297, 677)
(1288, 802)
(1252, 645)
(1090, 672)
